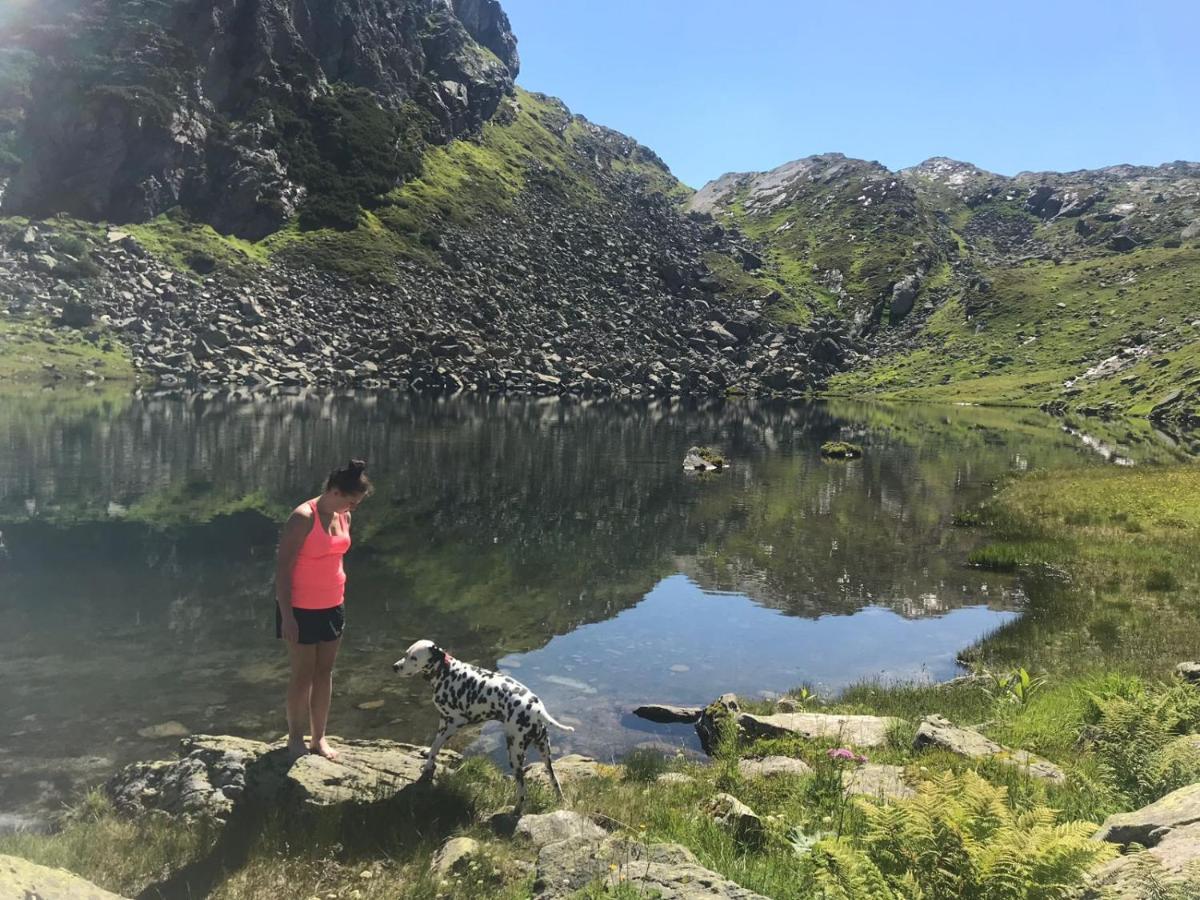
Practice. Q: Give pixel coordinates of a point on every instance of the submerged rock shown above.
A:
(936, 731)
(841, 450)
(704, 459)
(24, 880)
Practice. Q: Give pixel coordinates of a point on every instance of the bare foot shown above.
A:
(297, 749)
(322, 748)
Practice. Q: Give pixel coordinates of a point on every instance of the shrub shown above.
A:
(959, 837)
(347, 150)
(644, 765)
(1133, 734)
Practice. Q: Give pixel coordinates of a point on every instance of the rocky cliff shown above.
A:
(240, 111)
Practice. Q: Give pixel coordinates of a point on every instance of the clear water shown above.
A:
(561, 541)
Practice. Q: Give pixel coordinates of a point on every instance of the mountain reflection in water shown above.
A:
(561, 537)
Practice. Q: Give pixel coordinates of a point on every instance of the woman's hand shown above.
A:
(290, 628)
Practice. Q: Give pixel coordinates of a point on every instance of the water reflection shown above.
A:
(561, 536)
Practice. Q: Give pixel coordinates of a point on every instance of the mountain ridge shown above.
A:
(276, 149)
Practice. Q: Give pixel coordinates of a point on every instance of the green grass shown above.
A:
(538, 143)
(826, 225)
(28, 345)
(196, 247)
(1044, 324)
(1113, 573)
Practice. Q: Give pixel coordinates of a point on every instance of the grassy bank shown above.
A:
(1108, 560)
(34, 349)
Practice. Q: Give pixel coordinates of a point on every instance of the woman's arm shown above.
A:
(290, 542)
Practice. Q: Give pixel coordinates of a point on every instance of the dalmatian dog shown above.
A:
(466, 694)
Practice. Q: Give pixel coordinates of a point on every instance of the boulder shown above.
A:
(1173, 859)
(904, 294)
(560, 825)
(1150, 824)
(936, 731)
(740, 819)
(215, 773)
(703, 459)
(712, 720)
(841, 450)
(568, 768)
(666, 871)
(454, 855)
(24, 880)
(769, 766)
(206, 782)
(857, 731)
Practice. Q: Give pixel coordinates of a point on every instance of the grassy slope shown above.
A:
(29, 345)
(829, 226)
(1049, 323)
(466, 182)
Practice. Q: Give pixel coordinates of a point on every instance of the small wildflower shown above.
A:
(840, 753)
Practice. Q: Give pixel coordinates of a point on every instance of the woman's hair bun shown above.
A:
(351, 478)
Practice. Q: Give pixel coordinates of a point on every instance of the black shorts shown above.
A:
(316, 625)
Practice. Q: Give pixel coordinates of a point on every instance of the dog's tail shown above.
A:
(549, 718)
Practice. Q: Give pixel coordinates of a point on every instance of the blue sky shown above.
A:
(716, 86)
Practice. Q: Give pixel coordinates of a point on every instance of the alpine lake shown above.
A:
(560, 541)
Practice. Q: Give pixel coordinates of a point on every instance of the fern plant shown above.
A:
(958, 838)
(1134, 733)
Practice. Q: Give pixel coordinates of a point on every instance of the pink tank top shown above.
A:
(318, 579)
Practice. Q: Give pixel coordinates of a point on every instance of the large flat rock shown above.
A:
(856, 731)
(571, 767)
(772, 766)
(1175, 857)
(879, 781)
(666, 871)
(560, 825)
(1150, 824)
(938, 732)
(217, 772)
(24, 880)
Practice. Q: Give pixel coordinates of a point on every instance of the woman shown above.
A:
(309, 591)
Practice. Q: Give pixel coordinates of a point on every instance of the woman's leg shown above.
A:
(322, 691)
(303, 658)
